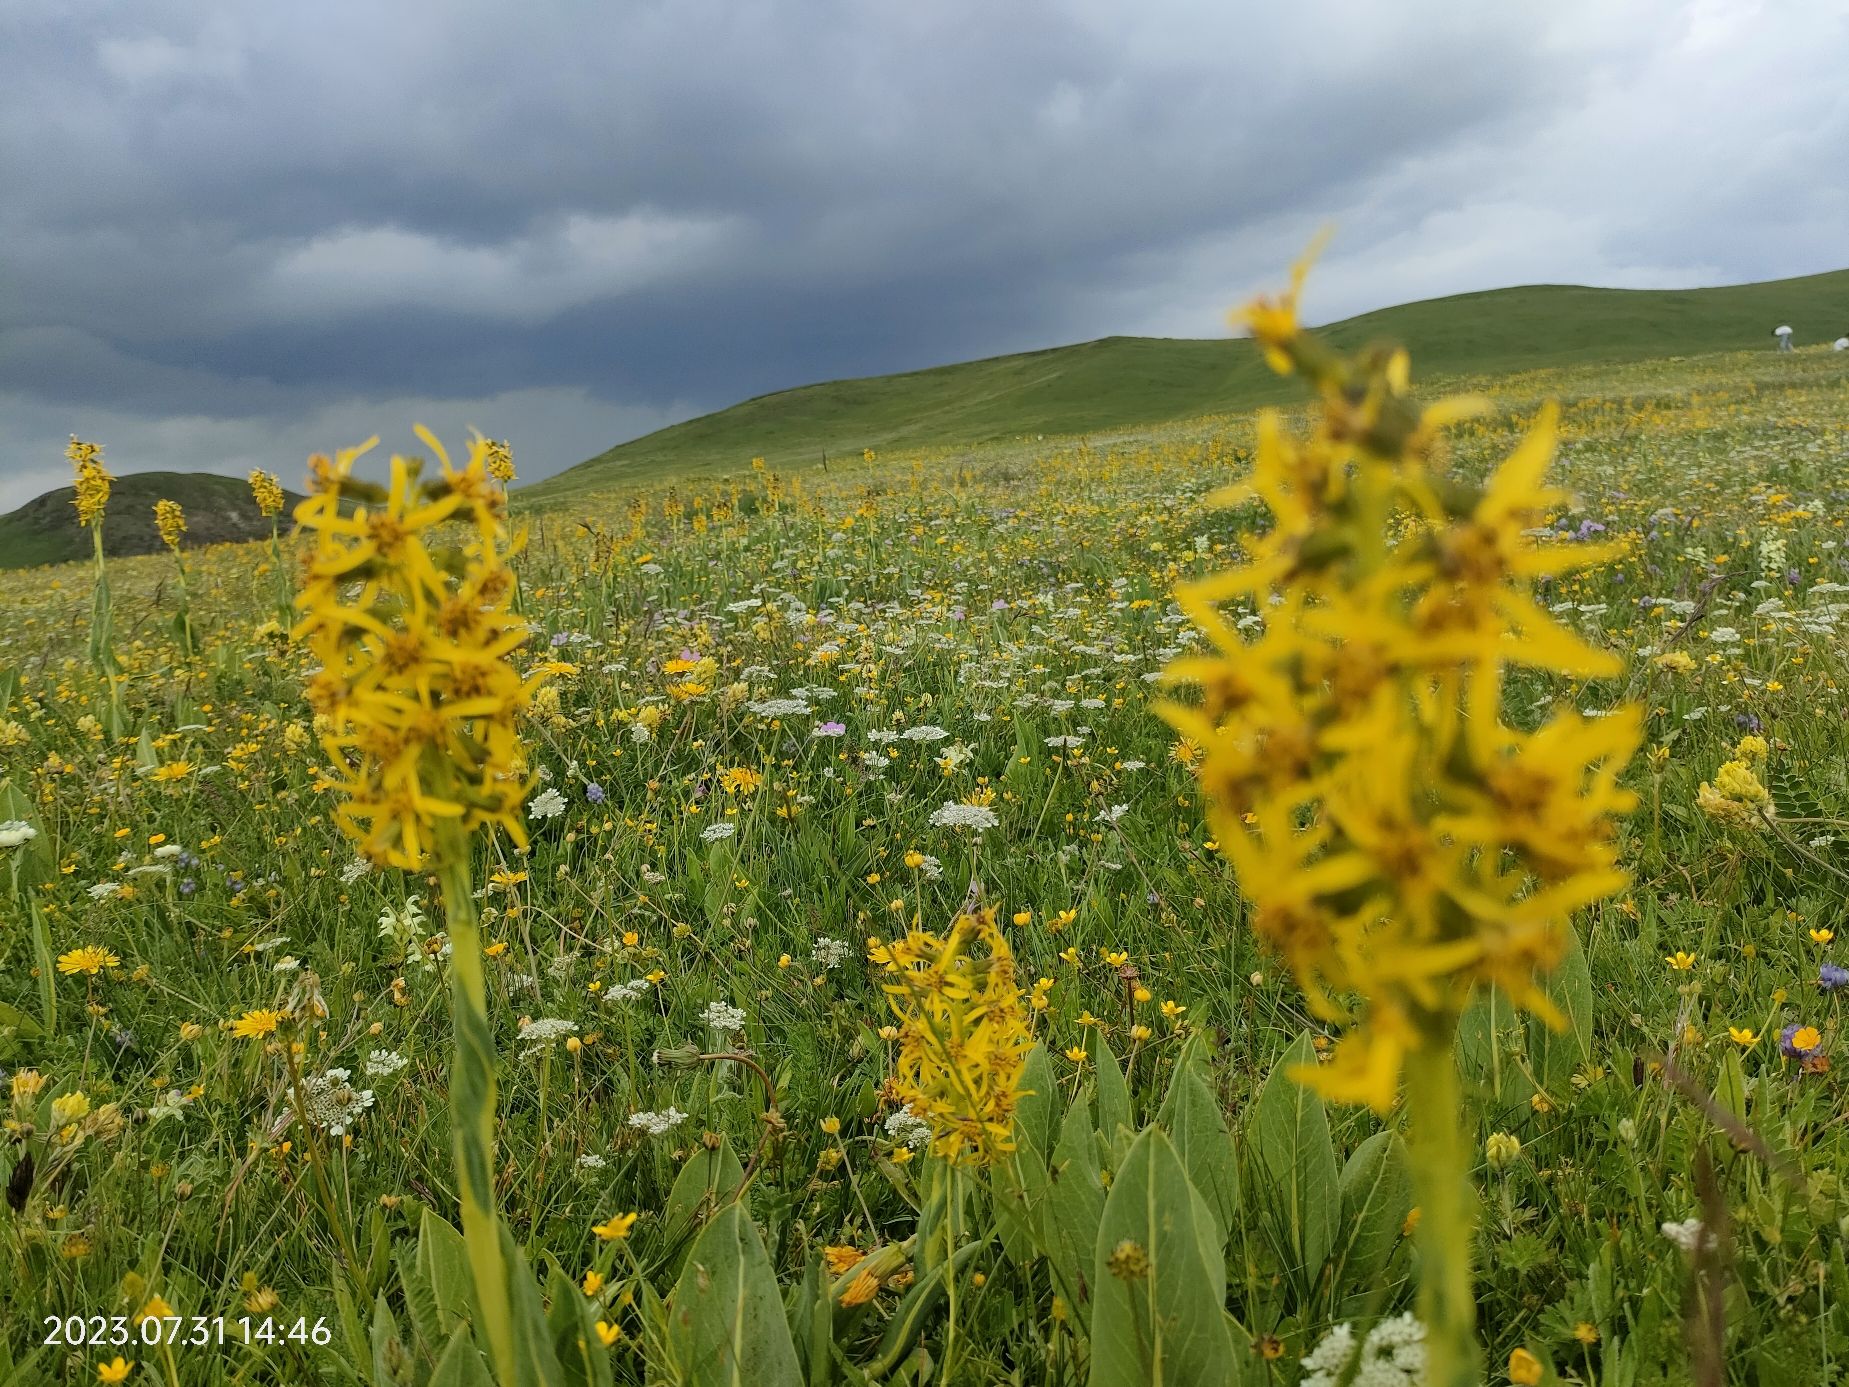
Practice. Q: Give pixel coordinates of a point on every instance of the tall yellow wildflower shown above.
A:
(1396, 839)
(407, 603)
(964, 1035)
(416, 700)
(170, 520)
(92, 480)
(267, 492)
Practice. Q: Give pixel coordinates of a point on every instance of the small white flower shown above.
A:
(657, 1123)
(539, 1035)
(16, 833)
(722, 828)
(829, 952)
(973, 816)
(547, 804)
(723, 1017)
(924, 732)
(908, 1129)
(382, 1064)
(1688, 1234)
(103, 890)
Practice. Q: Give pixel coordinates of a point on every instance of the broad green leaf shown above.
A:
(1037, 1113)
(1159, 1280)
(1294, 1162)
(726, 1326)
(1376, 1198)
(1191, 1116)
(535, 1363)
(443, 1261)
(1554, 1055)
(710, 1177)
(1113, 1092)
(1074, 1203)
(461, 1363)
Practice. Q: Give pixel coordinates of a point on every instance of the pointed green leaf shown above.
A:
(1190, 1114)
(1554, 1055)
(1037, 1113)
(1293, 1162)
(1074, 1202)
(726, 1326)
(461, 1363)
(710, 1177)
(1159, 1280)
(1376, 1198)
(1113, 1092)
(443, 1261)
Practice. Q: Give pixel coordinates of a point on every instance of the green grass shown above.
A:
(218, 510)
(1125, 382)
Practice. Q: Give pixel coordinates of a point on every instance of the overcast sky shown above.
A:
(232, 233)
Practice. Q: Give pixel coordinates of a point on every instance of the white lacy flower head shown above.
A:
(908, 1129)
(590, 1160)
(973, 816)
(657, 1123)
(924, 732)
(830, 952)
(16, 833)
(332, 1101)
(354, 870)
(539, 1035)
(382, 1064)
(723, 1017)
(1392, 1355)
(628, 991)
(780, 708)
(1689, 1234)
(713, 832)
(547, 804)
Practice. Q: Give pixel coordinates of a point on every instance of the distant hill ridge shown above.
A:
(1124, 382)
(219, 510)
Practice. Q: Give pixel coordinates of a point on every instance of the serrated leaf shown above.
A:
(1293, 1160)
(726, 1326)
(1158, 1314)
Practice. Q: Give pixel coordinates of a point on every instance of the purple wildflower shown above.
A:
(594, 792)
(830, 729)
(1832, 976)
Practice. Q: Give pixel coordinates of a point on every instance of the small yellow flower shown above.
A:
(1501, 1150)
(254, 1025)
(1741, 1036)
(267, 492)
(1586, 1332)
(862, 1289)
(1076, 1054)
(617, 1228)
(170, 520)
(831, 1126)
(609, 1333)
(90, 959)
(156, 1308)
(1525, 1369)
(1680, 961)
(593, 1281)
(1822, 936)
(116, 1370)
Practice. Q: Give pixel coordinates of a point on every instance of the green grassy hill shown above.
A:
(218, 510)
(1123, 382)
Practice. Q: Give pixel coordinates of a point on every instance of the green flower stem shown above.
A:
(1447, 1295)
(472, 1101)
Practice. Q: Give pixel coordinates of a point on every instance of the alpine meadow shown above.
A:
(1344, 892)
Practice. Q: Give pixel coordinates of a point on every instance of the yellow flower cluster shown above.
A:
(500, 462)
(92, 480)
(1737, 795)
(963, 1038)
(415, 700)
(170, 520)
(1394, 837)
(266, 491)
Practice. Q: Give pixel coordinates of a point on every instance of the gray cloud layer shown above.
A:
(234, 233)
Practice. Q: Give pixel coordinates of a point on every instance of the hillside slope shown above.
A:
(1122, 382)
(218, 510)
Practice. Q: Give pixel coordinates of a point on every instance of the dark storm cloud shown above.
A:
(227, 226)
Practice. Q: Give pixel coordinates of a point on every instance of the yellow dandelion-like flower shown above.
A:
(90, 959)
(500, 462)
(254, 1025)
